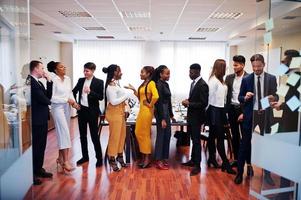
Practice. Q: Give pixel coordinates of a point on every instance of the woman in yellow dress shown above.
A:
(148, 95)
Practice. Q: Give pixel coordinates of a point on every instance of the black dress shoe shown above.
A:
(213, 162)
(188, 164)
(82, 161)
(268, 179)
(43, 174)
(233, 163)
(36, 181)
(195, 171)
(99, 163)
(250, 171)
(238, 179)
(226, 167)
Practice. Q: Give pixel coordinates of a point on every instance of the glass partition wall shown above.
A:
(15, 134)
(276, 126)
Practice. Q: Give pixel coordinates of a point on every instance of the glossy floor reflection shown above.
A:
(87, 182)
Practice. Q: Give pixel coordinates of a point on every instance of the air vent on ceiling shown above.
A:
(67, 13)
(96, 28)
(202, 29)
(38, 24)
(242, 36)
(135, 14)
(57, 32)
(139, 28)
(226, 15)
(105, 37)
(197, 38)
(289, 17)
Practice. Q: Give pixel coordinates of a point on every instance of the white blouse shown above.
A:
(116, 94)
(217, 92)
(61, 90)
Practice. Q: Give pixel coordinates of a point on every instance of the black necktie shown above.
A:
(191, 87)
(259, 93)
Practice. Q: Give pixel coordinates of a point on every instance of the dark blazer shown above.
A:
(198, 101)
(247, 85)
(163, 107)
(229, 82)
(40, 100)
(95, 95)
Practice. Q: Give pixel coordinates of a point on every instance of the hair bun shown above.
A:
(105, 70)
(51, 66)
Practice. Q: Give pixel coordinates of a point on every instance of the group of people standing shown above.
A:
(220, 103)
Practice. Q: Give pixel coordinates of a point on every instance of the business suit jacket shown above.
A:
(95, 95)
(198, 101)
(40, 100)
(163, 107)
(247, 85)
(229, 82)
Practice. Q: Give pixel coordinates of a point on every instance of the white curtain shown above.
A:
(132, 55)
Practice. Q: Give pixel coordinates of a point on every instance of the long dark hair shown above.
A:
(156, 75)
(110, 75)
(150, 70)
(219, 70)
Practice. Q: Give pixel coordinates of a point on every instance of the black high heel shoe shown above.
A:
(146, 162)
(226, 167)
(213, 162)
(121, 161)
(250, 171)
(113, 164)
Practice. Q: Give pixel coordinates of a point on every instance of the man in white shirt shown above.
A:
(233, 107)
(90, 91)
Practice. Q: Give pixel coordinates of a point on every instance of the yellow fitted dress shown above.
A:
(145, 116)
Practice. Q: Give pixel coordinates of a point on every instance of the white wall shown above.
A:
(44, 49)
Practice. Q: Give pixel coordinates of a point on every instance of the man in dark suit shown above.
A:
(40, 100)
(233, 107)
(90, 90)
(253, 88)
(196, 104)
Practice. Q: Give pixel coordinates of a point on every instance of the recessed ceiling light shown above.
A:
(226, 15)
(290, 17)
(96, 28)
(38, 24)
(202, 29)
(135, 14)
(197, 38)
(105, 37)
(139, 28)
(67, 13)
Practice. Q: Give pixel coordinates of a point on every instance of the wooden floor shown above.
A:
(87, 182)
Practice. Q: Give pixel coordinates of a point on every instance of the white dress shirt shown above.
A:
(255, 88)
(236, 88)
(61, 90)
(84, 99)
(116, 94)
(217, 93)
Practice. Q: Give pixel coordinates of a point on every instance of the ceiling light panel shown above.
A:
(67, 13)
(202, 29)
(135, 14)
(139, 28)
(226, 15)
(95, 28)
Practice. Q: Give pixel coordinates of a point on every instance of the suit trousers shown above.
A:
(233, 114)
(162, 140)
(39, 140)
(194, 129)
(89, 116)
(117, 127)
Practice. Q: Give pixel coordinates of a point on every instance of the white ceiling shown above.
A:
(169, 19)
